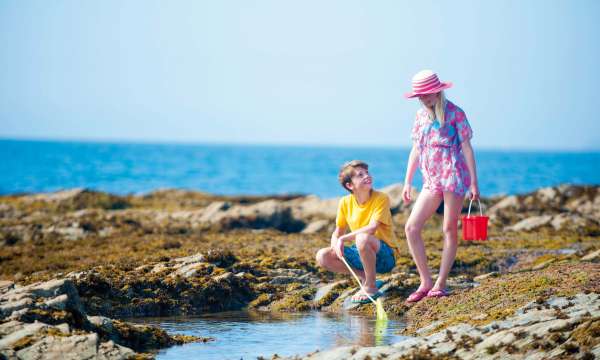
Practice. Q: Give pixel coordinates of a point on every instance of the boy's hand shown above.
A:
(406, 190)
(339, 247)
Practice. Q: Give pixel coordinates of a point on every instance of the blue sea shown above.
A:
(122, 168)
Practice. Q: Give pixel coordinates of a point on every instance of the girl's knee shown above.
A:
(450, 227)
(411, 229)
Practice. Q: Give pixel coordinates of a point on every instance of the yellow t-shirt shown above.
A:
(356, 216)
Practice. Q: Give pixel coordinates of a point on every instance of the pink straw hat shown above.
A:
(426, 82)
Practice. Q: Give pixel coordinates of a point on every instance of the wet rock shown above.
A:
(480, 278)
(19, 332)
(196, 258)
(70, 233)
(572, 222)
(77, 199)
(311, 207)
(593, 256)
(187, 285)
(429, 328)
(101, 322)
(531, 223)
(480, 317)
(64, 328)
(74, 347)
(316, 226)
(299, 299)
(534, 331)
(59, 302)
(186, 271)
(47, 320)
(7, 211)
(508, 203)
(342, 352)
(266, 214)
(326, 294)
(7, 307)
(544, 264)
(570, 208)
(213, 211)
(394, 192)
(221, 258)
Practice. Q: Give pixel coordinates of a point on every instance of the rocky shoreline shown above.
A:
(75, 262)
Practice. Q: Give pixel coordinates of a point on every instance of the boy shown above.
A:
(367, 213)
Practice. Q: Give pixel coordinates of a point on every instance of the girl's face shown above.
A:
(429, 100)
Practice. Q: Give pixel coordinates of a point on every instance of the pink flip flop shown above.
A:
(417, 296)
(437, 293)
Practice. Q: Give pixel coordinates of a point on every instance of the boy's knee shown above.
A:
(363, 242)
(321, 256)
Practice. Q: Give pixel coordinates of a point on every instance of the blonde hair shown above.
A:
(439, 108)
(347, 171)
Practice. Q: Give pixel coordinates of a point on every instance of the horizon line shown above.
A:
(131, 141)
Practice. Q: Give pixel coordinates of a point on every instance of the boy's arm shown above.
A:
(338, 237)
(339, 231)
(337, 243)
(369, 229)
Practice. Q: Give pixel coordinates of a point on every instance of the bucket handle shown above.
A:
(470, 203)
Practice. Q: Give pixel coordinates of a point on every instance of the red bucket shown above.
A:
(474, 227)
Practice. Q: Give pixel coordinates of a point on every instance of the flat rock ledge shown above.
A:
(47, 321)
(560, 327)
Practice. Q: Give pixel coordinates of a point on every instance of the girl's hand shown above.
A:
(339, 247)
(474, 192)
(406, 190)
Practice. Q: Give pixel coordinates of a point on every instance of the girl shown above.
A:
(441, 147)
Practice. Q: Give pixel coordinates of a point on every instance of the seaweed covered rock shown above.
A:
(188, 285)
(564, 207)
(77, 199)
(47, 320)
(267, 214)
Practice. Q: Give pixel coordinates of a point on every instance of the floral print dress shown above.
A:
(441, 160)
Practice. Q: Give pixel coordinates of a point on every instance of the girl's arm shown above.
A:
(470, 158)
(410, 173)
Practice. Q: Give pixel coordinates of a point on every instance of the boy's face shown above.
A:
(361, 180)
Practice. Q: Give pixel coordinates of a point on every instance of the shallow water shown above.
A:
(248, 335)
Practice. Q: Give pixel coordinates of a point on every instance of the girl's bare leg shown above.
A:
(452, 207)
(424, 207)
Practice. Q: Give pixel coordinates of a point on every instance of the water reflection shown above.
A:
(247, 335)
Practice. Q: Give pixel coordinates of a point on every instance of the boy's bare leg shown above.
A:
(452, 208)
(368, 245)
(424, 207)
(328, 259)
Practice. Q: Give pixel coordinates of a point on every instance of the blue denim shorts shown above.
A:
(384, 262)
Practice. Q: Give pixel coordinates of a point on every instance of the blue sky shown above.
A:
(303, 72)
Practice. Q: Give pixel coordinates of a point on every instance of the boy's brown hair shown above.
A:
(347, 171)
